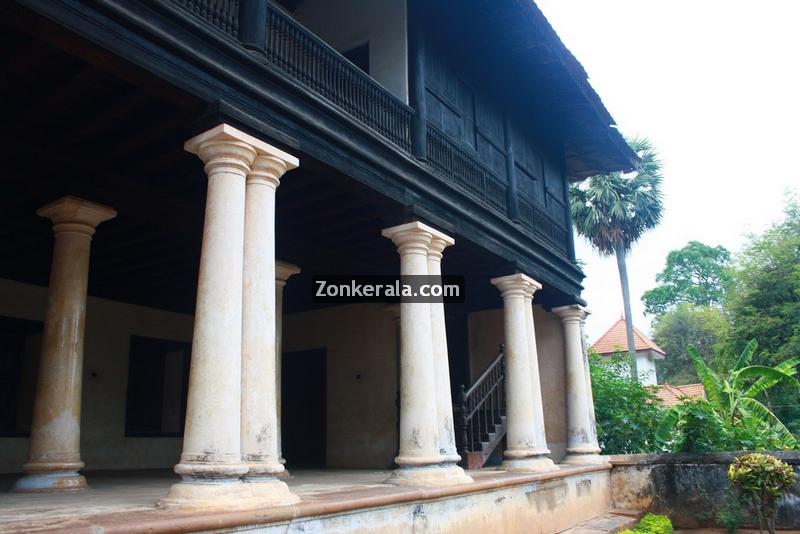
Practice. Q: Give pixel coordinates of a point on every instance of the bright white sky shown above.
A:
(715, 84)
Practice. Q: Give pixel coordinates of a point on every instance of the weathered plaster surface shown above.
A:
(690, 488)
(361, 349)
(109, 325)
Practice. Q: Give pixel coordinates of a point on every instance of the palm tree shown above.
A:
(731, 396)
(613, 210)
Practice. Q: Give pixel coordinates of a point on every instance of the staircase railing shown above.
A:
(481, 409)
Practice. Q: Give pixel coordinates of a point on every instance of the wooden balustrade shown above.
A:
(480, 414)
(307, 59)
(464, 170)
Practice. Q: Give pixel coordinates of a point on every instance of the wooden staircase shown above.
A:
(480, 415)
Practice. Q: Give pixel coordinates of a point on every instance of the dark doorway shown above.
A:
(158, 381)
(303, 424)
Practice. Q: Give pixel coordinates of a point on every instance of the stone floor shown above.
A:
(138, 490)
(125, 501)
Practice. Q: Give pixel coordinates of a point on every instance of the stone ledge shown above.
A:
(790, 457)
(155, 521)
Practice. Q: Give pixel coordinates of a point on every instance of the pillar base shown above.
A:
(429, 475)
(585, 459)
(235, 495)
(451, 458)
(261, 470)
(531, 464)
(55, 481)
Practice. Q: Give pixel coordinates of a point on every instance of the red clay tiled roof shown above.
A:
(615, 340)
(670, 395)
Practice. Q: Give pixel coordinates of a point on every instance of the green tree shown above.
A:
(764, 303)
(695, 274)
(626, 412)
(731, 413)
(613, 211)
(702, 327)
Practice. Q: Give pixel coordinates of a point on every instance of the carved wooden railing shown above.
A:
(222, 14)
(540, 223)
(307, 59)
(463, 169)
(311, 61)
(480, 415)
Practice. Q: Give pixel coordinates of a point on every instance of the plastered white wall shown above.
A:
(486, 334)
(109, 326)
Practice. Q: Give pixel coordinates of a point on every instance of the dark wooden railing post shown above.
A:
(462, 419)
(416, 79)
(512, 200)
(568, 222)
(253, 24)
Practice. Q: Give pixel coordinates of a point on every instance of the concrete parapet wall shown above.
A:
(690, 488)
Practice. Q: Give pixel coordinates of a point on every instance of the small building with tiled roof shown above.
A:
(647, 352)
(670, 395)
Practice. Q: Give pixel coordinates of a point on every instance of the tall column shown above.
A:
(582, 445)
(441, 363)
(521, 453)
(540, 437)
(419, 460)
(588, 375)
(54, 456)
(260, 428)
(211, 462)
(283, 271)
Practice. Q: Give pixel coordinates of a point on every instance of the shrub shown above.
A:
(627, 412)
(651, 524)
(761, 480)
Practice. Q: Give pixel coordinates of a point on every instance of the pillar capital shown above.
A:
(410, 238)
(76, 214)
(515, 285)
(439, 242)
(224, 148)
(283, 271)
(268, 167)
(533, 287)
(572, 312)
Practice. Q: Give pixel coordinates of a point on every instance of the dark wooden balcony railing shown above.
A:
(464, 170)
(307, 58)
(480, 415)
(542, 224)
(222, 14)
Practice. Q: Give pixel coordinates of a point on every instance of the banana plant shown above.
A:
(732, 397)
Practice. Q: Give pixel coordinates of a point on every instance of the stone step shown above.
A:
(608, 523)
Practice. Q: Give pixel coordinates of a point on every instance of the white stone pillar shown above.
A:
(260, 429)
(283, 271)
(441, 363)
(521, 453)
(588, 375)
(582, 445)
(540, 437)
(211, 462)
(419, 460)
(54, 456)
